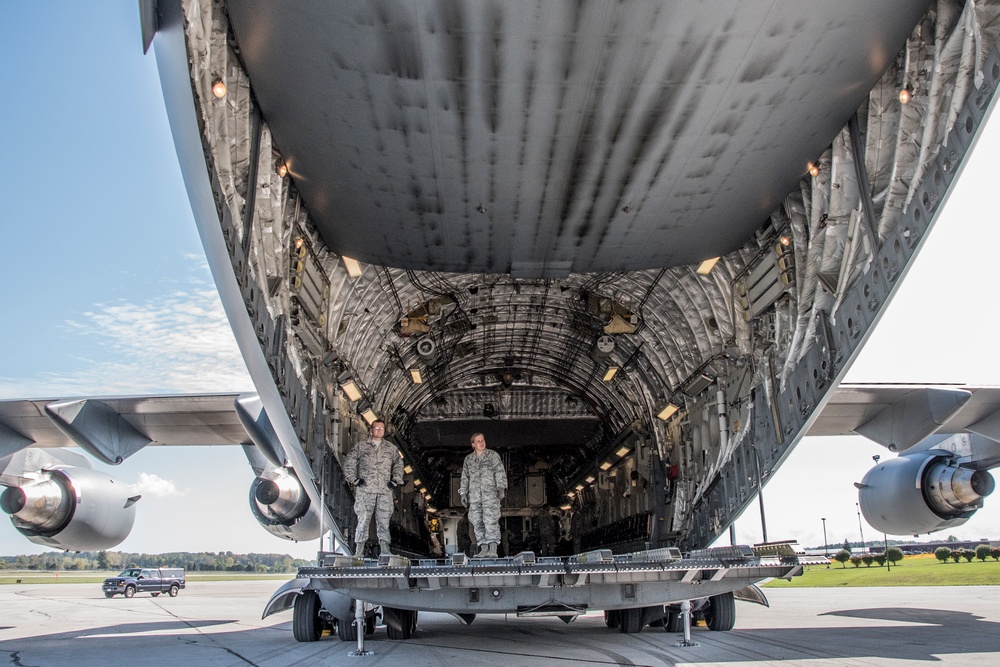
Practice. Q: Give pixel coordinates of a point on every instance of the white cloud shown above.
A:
(149, 484)
(179, 342)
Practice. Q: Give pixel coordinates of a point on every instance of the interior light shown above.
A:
(350, 388)
(606, 465)
(579, 487)
(423, 489)
(298, 242)
(369, 416)
(668, 410)
(431, 510)
(610, 373)
(415, 376)
(571, 495)
(352, 266)
(417, 482)
(408, 469)
(565, 508)
(904, 95)
(590, 479)
(622, 451)
(219, 89)
(785, 240)
(813, 170)
(427, 496)
(706, 267)
(282, 168)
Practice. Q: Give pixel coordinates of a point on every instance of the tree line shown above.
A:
(223, 561)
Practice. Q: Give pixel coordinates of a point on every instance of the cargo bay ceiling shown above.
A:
(549, 137)
(531, 186)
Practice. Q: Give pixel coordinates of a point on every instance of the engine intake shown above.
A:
(921, 493)
(74, 509)
(281, 505)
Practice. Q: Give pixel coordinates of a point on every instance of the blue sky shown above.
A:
(108, 292)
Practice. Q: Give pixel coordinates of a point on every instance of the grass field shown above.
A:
(922, 570)
(97, 577)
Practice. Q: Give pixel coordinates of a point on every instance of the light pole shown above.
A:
(860, 529)
(826, 551)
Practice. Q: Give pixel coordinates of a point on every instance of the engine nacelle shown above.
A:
(281, 505)
(74, 509)
(921, 493)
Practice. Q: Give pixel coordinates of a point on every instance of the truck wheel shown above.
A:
(109, 595)
(631, 621)
(612, 618)
(174, 588)
(129, 591)
(307, 626)
(721, 613)
(155, 594)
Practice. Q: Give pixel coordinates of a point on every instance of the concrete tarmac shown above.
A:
(218, 624)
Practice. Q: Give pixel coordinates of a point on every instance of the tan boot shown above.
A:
(491, 550)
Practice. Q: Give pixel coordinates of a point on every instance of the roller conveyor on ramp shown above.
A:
(531, 586)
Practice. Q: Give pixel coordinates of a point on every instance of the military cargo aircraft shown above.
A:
(639, 243)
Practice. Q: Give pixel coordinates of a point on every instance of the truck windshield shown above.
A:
(130, 573)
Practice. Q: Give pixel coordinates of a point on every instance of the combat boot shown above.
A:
(480, 550)
(385, 548)
(491, 550)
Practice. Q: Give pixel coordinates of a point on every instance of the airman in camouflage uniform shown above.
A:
(484, 483)
(376, 469)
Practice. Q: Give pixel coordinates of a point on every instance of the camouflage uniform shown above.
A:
(484, 483)
(378, 465)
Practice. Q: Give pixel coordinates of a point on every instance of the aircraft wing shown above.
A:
(113, 427)
(900, 416)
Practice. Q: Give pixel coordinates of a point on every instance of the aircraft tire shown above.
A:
(398, 622)
(307, 626)
(345, 630)
(721, 615)
(174, 589)
(612, 618)
(673, 622)
(130, 591)
(631, 621)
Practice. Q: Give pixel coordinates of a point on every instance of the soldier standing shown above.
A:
(484, 483)
(376, 469)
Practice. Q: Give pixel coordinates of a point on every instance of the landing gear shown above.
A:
(631, 620)
(307, 626)
(720, 614)
(346, 626)
(399, 623)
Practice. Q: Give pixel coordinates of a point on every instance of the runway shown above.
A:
(218, 624)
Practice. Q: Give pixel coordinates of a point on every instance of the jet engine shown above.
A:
(921, 493)
(74, 509)
(281, 505)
